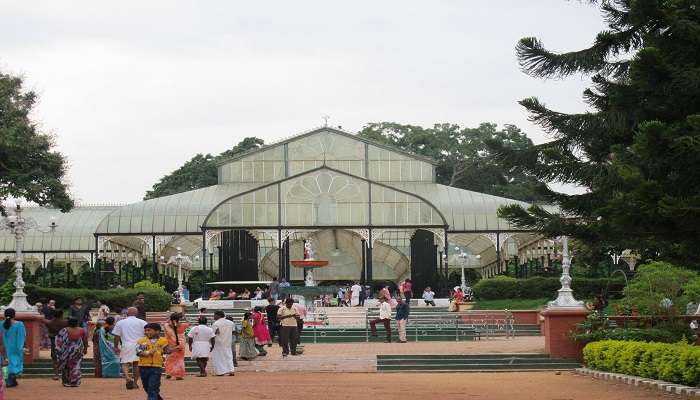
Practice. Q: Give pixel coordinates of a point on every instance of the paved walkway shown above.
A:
(361, 357)
(310, 386)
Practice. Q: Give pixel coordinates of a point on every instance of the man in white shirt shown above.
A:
(429, 297)
(201, 340)
(126, 332)
(221, 355)
(384, 318)
(355, 290)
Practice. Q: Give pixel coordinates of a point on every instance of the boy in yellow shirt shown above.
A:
(151, 349)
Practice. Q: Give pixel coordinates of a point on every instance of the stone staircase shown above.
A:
(43, 368)
(472, 363)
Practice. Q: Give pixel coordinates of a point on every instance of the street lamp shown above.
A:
(19, 226)
(181, 261)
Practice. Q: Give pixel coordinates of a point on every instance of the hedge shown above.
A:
(116, 299)
(503, 287)
(677, 363)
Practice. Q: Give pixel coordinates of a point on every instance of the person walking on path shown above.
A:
(262, 335)
(80, 312)
(247, 348)
(287, 316)
(201, 341)
(140, 304)
(408, 290)
(356, 289)
(54, 326)
(126, 333)
(429, 296)
(274, 289)
(301, 314)
(271, 311)
(151, 350)
(105, 345)
(175, 334)
(221, 355)
(102, 311)
(402, 311)
(384, 318)
(13, 335)
(71, 346)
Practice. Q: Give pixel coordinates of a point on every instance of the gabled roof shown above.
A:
(333, 130)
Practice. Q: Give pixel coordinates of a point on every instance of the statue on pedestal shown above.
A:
(309, 280)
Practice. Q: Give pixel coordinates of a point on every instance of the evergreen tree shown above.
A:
(637, 152)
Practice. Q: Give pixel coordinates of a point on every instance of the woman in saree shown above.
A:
(108, 358)
(13, 335)
(262, 334)
(247, 348)
(175, 334)
(71, 346)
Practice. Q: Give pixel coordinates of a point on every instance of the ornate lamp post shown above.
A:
(565, 297)
(181, 261)
(462, 257)
(19, 225)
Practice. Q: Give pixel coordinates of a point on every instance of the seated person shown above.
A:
(215, 295)
(231, 295)
(246, 294)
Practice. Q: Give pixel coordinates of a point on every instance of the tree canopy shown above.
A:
(200, 171)
(29, 167)
(464, 155)
(637, 151)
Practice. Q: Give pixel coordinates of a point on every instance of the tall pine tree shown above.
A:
(637, 152)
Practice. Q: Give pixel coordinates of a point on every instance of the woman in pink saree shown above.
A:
(175, 334)
(262, 334)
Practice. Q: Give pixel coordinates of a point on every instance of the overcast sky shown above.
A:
(132, 90)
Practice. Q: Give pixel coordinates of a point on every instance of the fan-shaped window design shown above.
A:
(324, 197)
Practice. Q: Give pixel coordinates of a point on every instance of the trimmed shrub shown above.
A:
(156, 299)
(677, 362)
(631, 334)
(503, 287)
(499, 287)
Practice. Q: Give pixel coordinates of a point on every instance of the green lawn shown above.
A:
(511, 304)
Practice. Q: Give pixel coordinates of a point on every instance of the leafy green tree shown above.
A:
(29, 168)
(464, 155)
(637, 151)
(198, 172)
(657, 281)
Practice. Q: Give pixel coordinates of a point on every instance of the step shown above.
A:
(471, 362)
(461, 356)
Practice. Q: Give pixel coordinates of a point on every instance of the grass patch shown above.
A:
(511, 304)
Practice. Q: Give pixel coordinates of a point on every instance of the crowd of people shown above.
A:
(127, 346)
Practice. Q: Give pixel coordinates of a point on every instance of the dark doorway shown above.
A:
(423, 260)
(239, 256)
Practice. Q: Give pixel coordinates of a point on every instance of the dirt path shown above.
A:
(292, 386)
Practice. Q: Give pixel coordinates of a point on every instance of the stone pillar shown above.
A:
(32, 324)
(558, 326)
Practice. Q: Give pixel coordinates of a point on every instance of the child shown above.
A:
(247, 346)
(151, 349)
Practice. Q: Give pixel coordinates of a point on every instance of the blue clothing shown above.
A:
(402, 311)
(109, 360)
(150, 380)
(13, 339)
